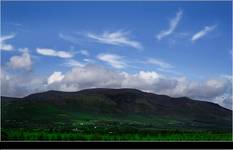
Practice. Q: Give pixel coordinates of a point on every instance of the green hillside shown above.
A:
(112, 114)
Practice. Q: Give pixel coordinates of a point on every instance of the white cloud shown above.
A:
(21, 62)
(149, 81)
(204, 90)
(203, 32)
(55, 77)
(3, 45)
(115, 38)
(89, 76)
(115, 61)
(148, 75)
(159, 63)
(172, 26)
(73, 63)
(54, 53)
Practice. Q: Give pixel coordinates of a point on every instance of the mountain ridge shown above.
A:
(193, 114)
(96, 89)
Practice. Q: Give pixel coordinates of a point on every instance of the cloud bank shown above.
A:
(217, 90)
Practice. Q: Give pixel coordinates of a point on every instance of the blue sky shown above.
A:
(172, 39)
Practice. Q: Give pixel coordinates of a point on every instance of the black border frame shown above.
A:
(117, 145)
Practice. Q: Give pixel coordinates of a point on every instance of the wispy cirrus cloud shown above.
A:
(69, 38)
(172, 26)
(170, 71)
(203, 32)
(74, 63)
(3, 45)
(118, 38)
(114, 60)
(54, 53)
(159, 63)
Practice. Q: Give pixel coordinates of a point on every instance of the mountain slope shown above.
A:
(160, 111)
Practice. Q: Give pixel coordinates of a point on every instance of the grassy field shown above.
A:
(76, 135)
(106, 128)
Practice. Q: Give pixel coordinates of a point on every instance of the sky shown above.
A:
(173, 48)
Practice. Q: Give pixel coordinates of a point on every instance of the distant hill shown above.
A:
(162, 112)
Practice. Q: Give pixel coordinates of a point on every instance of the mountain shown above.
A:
(53, 108)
